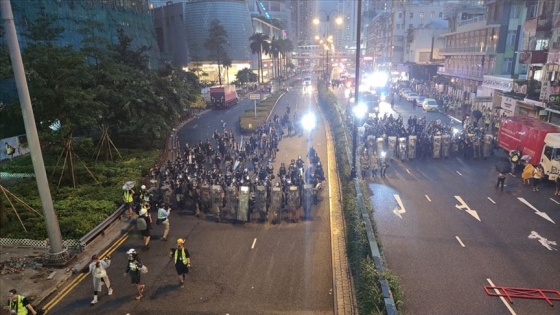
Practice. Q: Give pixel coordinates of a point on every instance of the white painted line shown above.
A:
(407, 171)
(194, 127)
(254, 241)
(512, 174)
(492, 201)
(459, 240)
(554, 201)
(537, 212)
(430, 200)
(502, 298)
(459, 173)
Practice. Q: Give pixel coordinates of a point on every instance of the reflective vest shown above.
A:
(8, 149)
(183, 254)
(18, 306)
(127, 197)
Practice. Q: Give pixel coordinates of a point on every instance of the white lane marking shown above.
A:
(554, 201)
(430, 200)
(254, 242)
(537, 212)
(194, 127)
(502, 298)
(512, 174)
(492, 201)
(459, 240)
(407, 170)
(398, 211)
(544, 241)
(464, 206)
(459, 173)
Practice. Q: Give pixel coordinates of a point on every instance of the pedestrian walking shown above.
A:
(98, 268)
(182, 260)
(19, 304)
(143, 225)
(501, 181)
(537, 176)
(384, 166)
(527, 173)
(557, 182)
(163, 219)
(133, 268)
(374, 165)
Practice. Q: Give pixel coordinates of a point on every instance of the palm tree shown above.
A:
(260, 43)
(287, 48)
(217, 38)
(274, 52)
(227, 63)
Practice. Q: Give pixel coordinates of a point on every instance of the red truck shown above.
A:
(223, 96)
(532, 137)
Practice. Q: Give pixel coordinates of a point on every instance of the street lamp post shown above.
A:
(327, 37)
(357, 85)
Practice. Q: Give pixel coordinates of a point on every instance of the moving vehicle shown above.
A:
(430, 105)
(306, 81)
(371, 100)
(411, 96)
(532, 137)
(223, 96)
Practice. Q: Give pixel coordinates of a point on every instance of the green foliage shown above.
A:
(366, 278)
(80, 209)
(245, 76)
(249, 123)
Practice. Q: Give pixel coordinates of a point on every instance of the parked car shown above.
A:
(421, 99)
(404, 92)
(430, 105)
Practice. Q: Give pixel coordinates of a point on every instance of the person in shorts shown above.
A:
(181, 259)
(133, 269)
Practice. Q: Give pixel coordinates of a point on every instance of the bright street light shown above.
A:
(360, 110)
(308, 121)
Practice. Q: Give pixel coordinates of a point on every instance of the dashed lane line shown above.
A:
(502, 298)
(254, 242)
(460, 242)
(492, 201)
(427, 197)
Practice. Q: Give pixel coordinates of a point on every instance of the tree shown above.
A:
(227, 62)
(287, 48)
(260, 44)
(217, 38)
(274, 52)
(246, 75)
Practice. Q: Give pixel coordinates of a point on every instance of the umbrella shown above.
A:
(503, 167)
(477, 114)
(128, 185)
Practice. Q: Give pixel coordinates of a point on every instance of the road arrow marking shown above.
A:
(555, 201)
(398, 211)
(430, 200)
(459, 173)
(492, 201)
(460, 242)
(464, 206)
(542, 214)
(544, 242)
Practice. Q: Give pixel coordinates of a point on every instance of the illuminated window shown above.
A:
(421, 16)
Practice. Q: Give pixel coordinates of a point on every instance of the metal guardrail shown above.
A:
(100, 228)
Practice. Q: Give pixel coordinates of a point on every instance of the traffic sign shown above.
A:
(254, 96)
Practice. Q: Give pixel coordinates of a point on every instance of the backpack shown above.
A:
(141, 224)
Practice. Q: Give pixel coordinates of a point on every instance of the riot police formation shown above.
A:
(226, 180)
(418, 139)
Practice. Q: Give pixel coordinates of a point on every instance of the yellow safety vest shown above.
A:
(20, 309)
(127, 197)
(184, 256)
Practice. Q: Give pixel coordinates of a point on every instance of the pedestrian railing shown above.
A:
(99, 229)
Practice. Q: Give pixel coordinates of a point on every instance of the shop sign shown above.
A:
(554, 99)
(496, 83)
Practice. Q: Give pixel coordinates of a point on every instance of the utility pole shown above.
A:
(57, 254)
(354, 171)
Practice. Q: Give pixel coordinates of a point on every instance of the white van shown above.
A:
(550, 157)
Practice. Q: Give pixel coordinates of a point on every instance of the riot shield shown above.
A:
(477, 147)
(437, 147)
(243, 208)
(380, 146)
(275, 205)
(232, 203)
(259, 210)
(412, 147)
(205, 198)
(487, 147)
(217, 199)
(402, 148)
(293, 204)
(307, 201)
(391, 147)
(445, 145)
